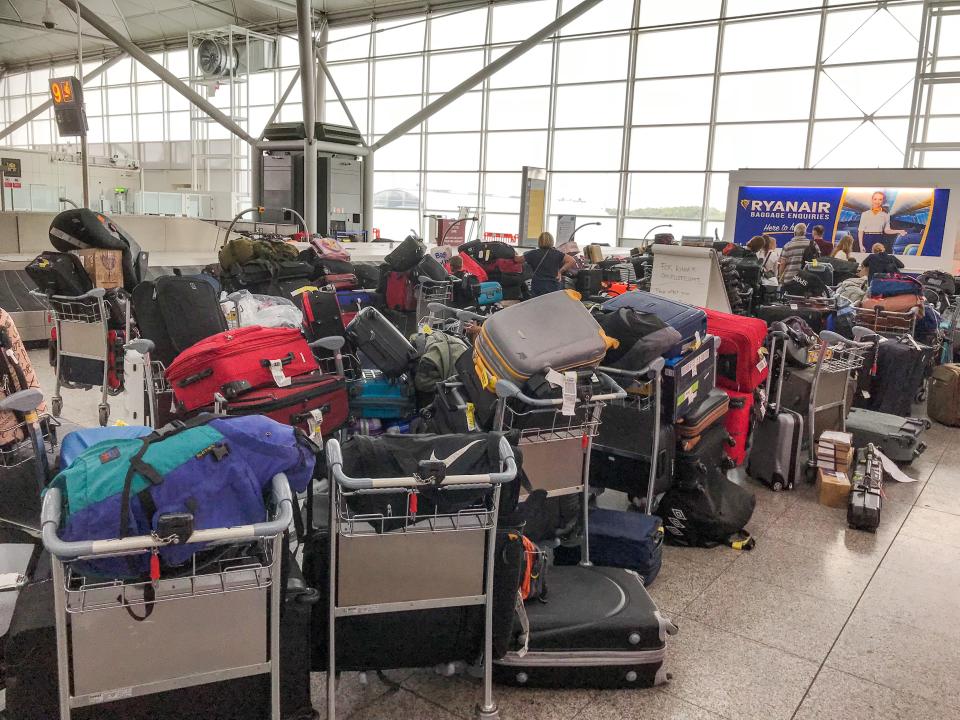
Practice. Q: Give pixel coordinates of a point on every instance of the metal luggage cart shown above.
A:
(429, 293)
(885, 322)
(836, 358)
(389, 548)
(36, 442)
(643, 394)
(105, 650)
(82, 327)
(948, 330)
(144, 385)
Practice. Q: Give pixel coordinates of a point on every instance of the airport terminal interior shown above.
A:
(495, 359)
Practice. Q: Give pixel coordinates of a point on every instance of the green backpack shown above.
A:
(243, 250)
(438, 354)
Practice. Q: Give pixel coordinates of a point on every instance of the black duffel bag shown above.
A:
(80, 229)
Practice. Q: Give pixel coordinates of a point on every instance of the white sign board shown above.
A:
(566, 224)
(689, 275)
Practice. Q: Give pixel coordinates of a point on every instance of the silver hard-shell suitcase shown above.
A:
(550, 331)
(778, 437)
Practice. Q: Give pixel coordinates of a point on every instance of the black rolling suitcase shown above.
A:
(620, 455)
(321, 313)
(866, 497)
(901, 370)
(30, 662)
(589, 281)
(777, 439)
(58, 273)
(381, 342)
(177, 311)
(599, 629)
(821, 269)
(406, 255)
(816, 319)
(430, 268)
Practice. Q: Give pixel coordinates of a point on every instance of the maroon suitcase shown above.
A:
(295, 403)
(342, 281)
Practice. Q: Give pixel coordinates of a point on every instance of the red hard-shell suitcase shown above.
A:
(255, 356)
(739, 422)
(741, 362)
(398, 292)
(295, 403)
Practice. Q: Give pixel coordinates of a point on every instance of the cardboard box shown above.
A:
(105, 267)
(833, 488)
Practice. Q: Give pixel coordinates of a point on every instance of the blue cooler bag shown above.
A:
(218, 469)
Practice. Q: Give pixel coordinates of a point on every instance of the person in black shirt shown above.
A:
(546, 263)
(879, 262)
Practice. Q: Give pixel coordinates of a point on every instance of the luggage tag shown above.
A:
(314, 423)
(569, 394)
(471, 412)
(276, 369)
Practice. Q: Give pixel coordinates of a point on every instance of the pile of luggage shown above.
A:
(452, 418)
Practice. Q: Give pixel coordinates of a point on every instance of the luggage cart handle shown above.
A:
(442, 310)
(94, 294)
(466, 315)
(832, 338)
(335, 467)
(652, 369)
(508, 390)
(53, 503)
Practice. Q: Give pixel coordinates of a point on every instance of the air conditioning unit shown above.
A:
(218, 57)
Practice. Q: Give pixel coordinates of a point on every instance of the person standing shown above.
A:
(795, 253)
(823, 245)
(879, 262)
(546, 263)
(875, 223)
(844, 249)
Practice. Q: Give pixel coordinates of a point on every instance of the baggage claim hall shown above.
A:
(479, 359)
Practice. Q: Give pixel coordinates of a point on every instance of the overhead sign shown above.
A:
(67, 96)
(907, 221)
(689, 275)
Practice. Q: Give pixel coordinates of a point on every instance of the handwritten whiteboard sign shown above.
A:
(689, 275)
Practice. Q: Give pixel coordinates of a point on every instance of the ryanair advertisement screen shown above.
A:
(908, 221)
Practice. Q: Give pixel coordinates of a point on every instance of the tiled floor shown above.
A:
(818, 622)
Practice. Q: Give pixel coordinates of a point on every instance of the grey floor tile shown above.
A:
(681, 580)
(648, 703)
(824, 530)
(934, 525)
(893, 653)
(941, 495)
(794, 567)
(402, 704)
(786, 619)
(836, 695)
(735, 677)
(718, 557)
(461, 694)
(352, 695)
(921, 600)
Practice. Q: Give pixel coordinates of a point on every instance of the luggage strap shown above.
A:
(741, 540)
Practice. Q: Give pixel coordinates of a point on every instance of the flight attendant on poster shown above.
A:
(875, 224)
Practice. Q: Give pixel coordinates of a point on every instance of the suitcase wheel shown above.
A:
(777, 485)
(810, 474)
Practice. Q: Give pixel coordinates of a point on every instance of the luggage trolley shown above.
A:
(556, 435)
(82, 325)
(390, 547)
(837, 357)
(430, 293)
(643, 395)
(885, 322)
(36, 440)
(105, 651)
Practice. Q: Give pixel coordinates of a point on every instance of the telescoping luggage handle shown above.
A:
(53, 503)
(335, 465)
(507, 390)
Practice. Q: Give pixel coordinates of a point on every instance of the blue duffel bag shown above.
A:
(218, 469)
(623, 539)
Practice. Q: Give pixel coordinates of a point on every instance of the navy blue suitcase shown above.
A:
(689, 321)
(620, 539)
